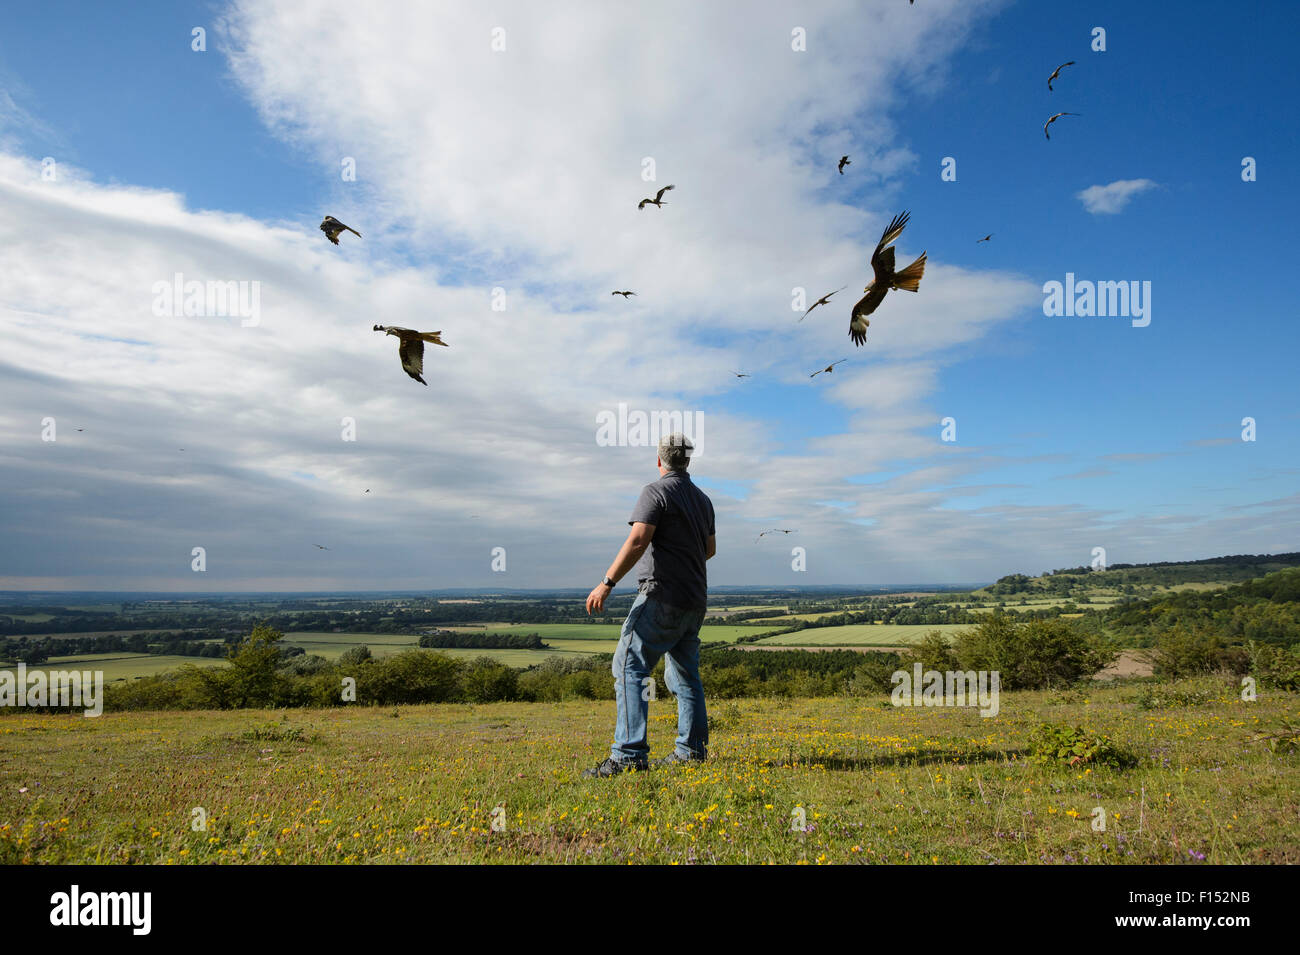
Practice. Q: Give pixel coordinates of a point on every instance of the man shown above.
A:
(671, 538)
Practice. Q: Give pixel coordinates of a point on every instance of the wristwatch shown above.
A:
(607, 581)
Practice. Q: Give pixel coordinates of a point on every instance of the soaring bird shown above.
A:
(824, 300)
(1052, 120)
(741, 375)
(411, 351)
(882, 264)
(332, 229)
(828, 368)
(658, 200)
(1057, 72)
(322, 547)
(775, 530)
(844, 161)
(624, 294)
(985, 239)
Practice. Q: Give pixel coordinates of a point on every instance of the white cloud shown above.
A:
(519, 169)
(1113, 198)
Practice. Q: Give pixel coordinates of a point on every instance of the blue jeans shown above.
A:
(652, 630)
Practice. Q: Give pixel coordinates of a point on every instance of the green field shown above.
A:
(331, 646)
(709, 633)
(861, 635)
(786, 619)
(875, 784)
(522, 659)
(123, 666)
(566, 640)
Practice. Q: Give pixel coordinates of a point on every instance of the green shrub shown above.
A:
(934, 652)
(304, 665)
(1184, 650)
(413, 676)
(1273, 666)
(253, 677)
(1282, 737)
(1074, 746)
(355, 656)
(485, 681)
(1036, 655)
(276, 733)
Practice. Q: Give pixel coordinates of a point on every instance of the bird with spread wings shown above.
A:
(824, 300)
(333, 229)
(1057, 72)
(657, 201)
(882, 264)
(411, 349)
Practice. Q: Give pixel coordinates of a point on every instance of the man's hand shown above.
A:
(638, 539)
(596, 599)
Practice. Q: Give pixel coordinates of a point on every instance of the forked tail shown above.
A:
(909, 280)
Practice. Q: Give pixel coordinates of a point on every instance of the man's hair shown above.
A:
(675, 451)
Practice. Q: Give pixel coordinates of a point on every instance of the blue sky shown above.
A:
(1103, 432)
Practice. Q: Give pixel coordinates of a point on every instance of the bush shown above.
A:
(304, 665)
(252, 678)
(1282, 737)
(873, 677)
(1036, 655)
(1183, 650)
(485, 680)
(355, 656)
(559, 678)
(414, 676)
(1275, 667)
(935, 653)
(1074, 746)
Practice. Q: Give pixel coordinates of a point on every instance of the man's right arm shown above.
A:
(710, 547)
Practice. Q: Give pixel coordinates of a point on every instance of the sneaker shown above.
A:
(612, 767)
(673, 758)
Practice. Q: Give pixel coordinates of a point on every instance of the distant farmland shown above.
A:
(861, 635)
(565, 640)
(123, 666)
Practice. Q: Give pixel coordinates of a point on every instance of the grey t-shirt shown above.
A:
(672, 568)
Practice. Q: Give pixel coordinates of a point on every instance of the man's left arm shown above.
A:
(638, 539)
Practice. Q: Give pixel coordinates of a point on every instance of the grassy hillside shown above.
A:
(875, 783)
(1139, 580)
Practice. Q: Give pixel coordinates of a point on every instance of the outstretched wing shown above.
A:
(882, 260)
(1057, 72)
(641, 204)
(660, 194)
(411, 352)
(858, 322)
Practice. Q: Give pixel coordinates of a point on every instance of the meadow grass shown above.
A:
(874, 783)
